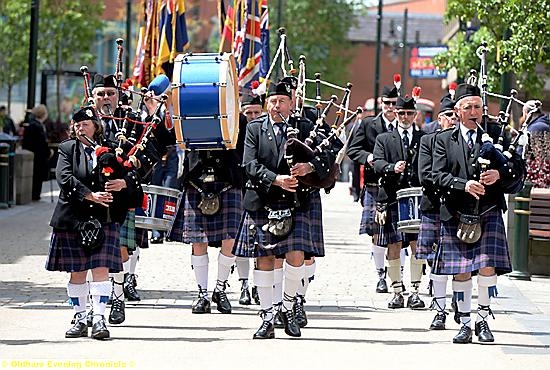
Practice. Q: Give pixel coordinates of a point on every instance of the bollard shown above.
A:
(520, 259)
(4, 175)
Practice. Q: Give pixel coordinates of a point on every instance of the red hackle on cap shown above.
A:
(416, 92)
(452, 89)
(396, 78)
(254, 84)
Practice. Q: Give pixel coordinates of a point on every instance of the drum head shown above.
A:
(229, 101)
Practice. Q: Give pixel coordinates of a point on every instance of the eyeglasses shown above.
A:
(388, 102)
(449, 114)
(408, 113)
(102, 93)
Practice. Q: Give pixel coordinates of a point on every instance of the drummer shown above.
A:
(209, 215)
(396, 160)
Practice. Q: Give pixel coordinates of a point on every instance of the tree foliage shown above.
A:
(526, 48)
(318, 29)
(14, 28)
(68, 30)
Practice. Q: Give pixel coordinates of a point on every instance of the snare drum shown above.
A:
(205, 101)
(162, 207)
(408, 201)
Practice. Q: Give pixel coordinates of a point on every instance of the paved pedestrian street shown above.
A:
(349, 325)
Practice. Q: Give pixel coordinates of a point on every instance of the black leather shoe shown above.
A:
(464, 335)
(117, 314)
(397, 301)
(245, 298)
(266, 331)
(414, 302)
(79, 330)
(438, 323)
(278, 321)
(299, 312)
(291, 326)
(255, 295)
(483, 332)
(99, 330)
(222, 303)
(382, 287)
(156, 240)
(129, 288)
(202, 305)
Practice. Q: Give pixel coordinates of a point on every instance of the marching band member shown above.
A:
(251, 109)
(395, 158)
(86, 195)
(428, 237)
(360, 150)
(470, 191)
(209, 214)
(273, 191)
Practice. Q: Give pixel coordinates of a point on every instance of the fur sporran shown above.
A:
(279, 222)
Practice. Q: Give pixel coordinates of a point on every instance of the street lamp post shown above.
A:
(33, 47)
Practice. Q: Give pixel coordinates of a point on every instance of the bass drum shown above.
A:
(205, 101)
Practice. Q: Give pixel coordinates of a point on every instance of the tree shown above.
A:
(516, 32)
(68, 30)
(318, 29)
(14, 51)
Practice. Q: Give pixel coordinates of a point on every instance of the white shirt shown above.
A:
(464, 132)
(388, 122)
(275, 128)
(410, 131)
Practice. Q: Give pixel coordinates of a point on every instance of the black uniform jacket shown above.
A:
(227, 164)
(76, 181)
(453, 167)
(430, 196)
(389, 150)
(263, 161)
(362, 144)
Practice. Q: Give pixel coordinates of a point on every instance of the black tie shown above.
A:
(281, 133)
(390, 127)
(471, 139)
(406, 140)
(89, 152)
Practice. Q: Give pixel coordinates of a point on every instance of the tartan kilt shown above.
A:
(455, 257)
(142, 237)
(388, 233)
(128, 231)
(368, 225)
(306, 234)
(428, 236)
(191, 226)
(66, 255)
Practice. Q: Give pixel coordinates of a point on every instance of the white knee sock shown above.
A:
(134, 258)
(487, 288)
(439, 286)
(308, 277)
(243, 267)
(394, 272)
(277, 286)
(402, 258)
(293, 278)
(264, 283)
(99, 290)
(416, 273)
(118, 284)
(379, 256)
(78, 296)
(224, 269)
(462, 294)
(200, 267)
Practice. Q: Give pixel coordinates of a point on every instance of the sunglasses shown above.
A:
(102, 93)
(388, 102)
(409, 113)
(449, 114)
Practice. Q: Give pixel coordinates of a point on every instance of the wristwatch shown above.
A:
(311, 166)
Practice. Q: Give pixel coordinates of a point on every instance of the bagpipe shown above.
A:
(130, 151)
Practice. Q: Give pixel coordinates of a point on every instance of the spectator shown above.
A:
(34, 139)
(540, 122)
(6, 123)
